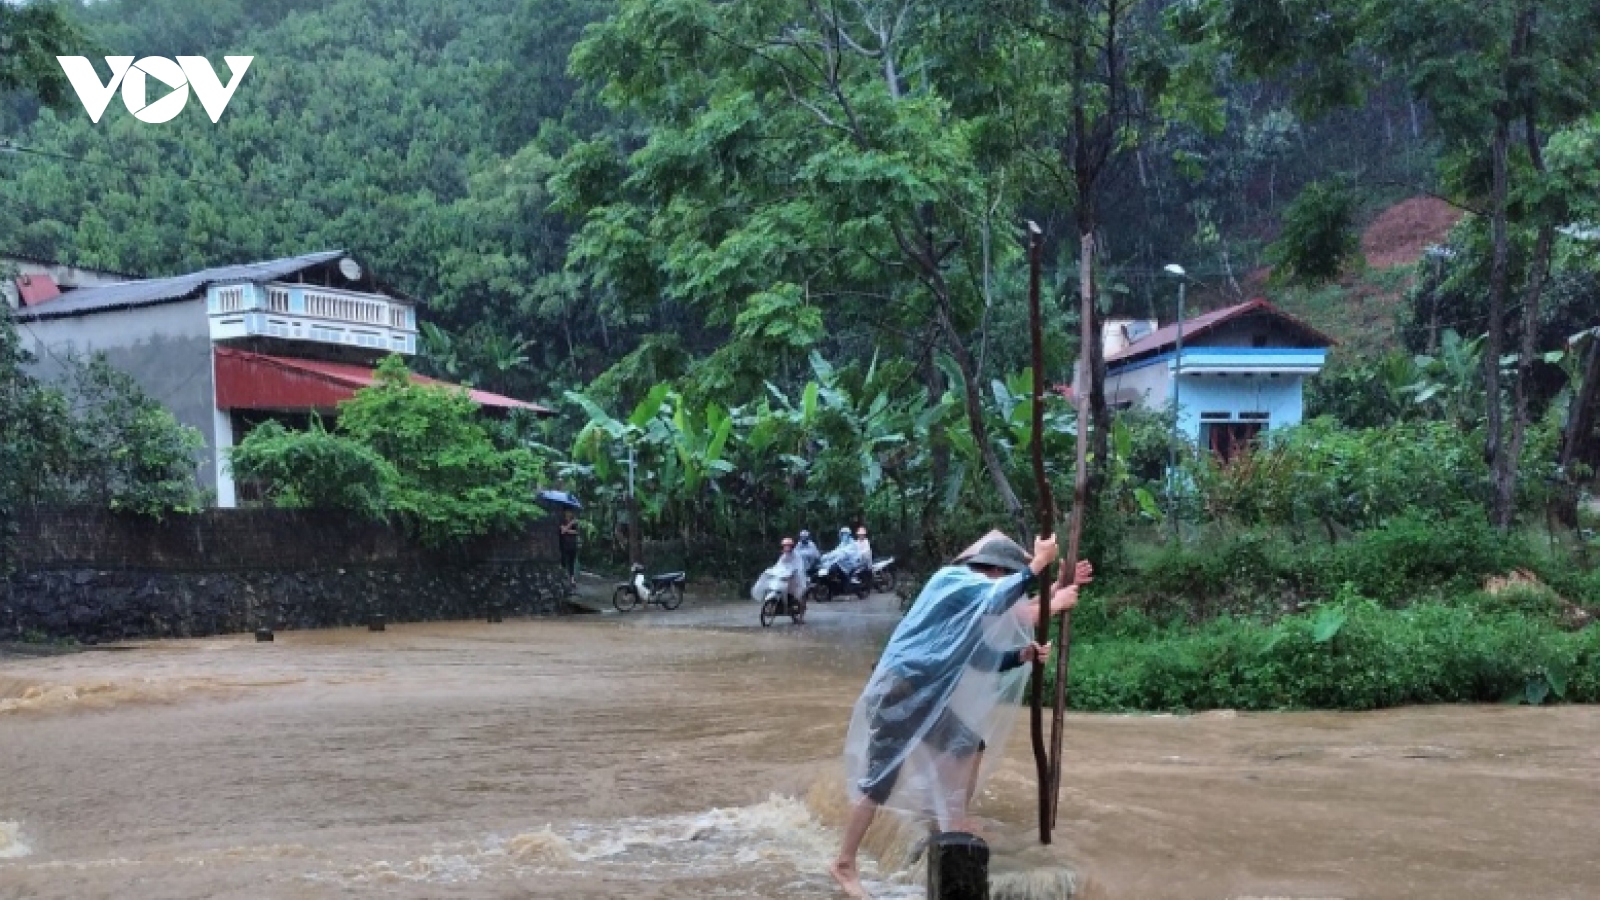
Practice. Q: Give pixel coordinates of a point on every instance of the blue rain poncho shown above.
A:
(787, 574)
(809, 555)
(949, 679)
(846, 556)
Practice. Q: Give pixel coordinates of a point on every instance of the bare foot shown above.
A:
(849, 879)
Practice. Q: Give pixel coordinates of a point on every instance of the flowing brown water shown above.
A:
(691, 754)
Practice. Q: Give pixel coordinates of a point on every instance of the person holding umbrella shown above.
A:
(569, 544)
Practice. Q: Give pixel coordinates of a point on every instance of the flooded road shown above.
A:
(694, 754)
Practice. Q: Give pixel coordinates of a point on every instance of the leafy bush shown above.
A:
(314, 469)
(130, 454)
(1350, 654)
(1319, 473)
(1409, 558)
(450, 479)
(100, 441)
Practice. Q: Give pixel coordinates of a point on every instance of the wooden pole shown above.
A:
(1069, 562)
(1046, 511)
(958, 867)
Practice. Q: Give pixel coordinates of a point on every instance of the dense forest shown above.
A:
(769, 259)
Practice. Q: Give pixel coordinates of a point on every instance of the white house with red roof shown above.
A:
(1242, 371)
(230, 347)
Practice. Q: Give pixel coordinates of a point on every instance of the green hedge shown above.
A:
(1353, 654)
(1407, 559)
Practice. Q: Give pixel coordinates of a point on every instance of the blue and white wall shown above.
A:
(1280, 397)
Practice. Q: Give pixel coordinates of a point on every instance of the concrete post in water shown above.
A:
(263, 635)
(375, 622)
(958, 867)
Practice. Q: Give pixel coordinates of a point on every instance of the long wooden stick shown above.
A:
(1041, 755)
(1080, 489)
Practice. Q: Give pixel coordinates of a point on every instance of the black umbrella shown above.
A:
(560, 498)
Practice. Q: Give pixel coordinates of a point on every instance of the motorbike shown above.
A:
(883, 579)
(772, 589)
(831, 580)
(665, 590)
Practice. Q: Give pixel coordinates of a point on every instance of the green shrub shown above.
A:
(1353, 654)
(1409, 558)
(313, 469)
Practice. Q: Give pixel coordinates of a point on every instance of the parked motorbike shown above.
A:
(883, 580)
(772, 589)
(831, 580)
(666, 590)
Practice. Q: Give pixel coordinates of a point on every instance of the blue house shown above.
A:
(1242, 371)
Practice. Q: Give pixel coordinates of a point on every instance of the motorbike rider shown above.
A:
(807, 550)
(863, 547)
(788, 571)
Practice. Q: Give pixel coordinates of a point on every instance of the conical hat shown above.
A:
(996, 549)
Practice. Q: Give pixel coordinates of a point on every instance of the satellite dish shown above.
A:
(350, 269)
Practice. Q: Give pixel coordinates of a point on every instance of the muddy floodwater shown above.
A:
(693, 754)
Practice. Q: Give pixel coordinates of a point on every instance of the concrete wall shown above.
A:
(1148, 386)
(167, 350)
(1282, 398)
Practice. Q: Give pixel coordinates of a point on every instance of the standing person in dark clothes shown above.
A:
(569, 545)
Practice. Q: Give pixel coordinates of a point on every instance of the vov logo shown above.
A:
(134, 77)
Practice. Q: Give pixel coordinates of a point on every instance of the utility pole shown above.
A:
(1177, 411)
(634, 524)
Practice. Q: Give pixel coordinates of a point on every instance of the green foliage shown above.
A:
(314, 469)
(101, 441)
(1319, 474)
(32, 34)
(1407, 559)
(1319, 236)
(130, 454)
(451, 481)
(1349, 654)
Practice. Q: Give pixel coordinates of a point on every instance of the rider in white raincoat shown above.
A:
(846, 555)
(948, 684)
(787, 574)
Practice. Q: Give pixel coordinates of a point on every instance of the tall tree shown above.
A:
(32, 35)
(1498, 76)
(802, 166)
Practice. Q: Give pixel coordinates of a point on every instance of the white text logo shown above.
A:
(133, 77)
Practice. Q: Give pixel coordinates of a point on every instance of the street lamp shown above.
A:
(1177, 272)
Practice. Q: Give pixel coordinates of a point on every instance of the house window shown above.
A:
(1228, 439)
(1255, 416)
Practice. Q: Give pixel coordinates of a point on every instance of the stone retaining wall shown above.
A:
(95, 578)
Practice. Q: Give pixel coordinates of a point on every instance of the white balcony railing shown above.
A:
(309, 313)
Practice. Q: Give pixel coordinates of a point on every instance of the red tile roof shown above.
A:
(248, 380)
(1167, 335)
(36, 289)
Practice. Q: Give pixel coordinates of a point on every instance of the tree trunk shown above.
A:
(974, 406)
(1577, 434)
(1497, 448)
(1538, 272)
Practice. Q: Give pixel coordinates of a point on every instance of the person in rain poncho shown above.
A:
(947, 686)
(845, 555)
(787, 574)
(863, 547)
(807, 550)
